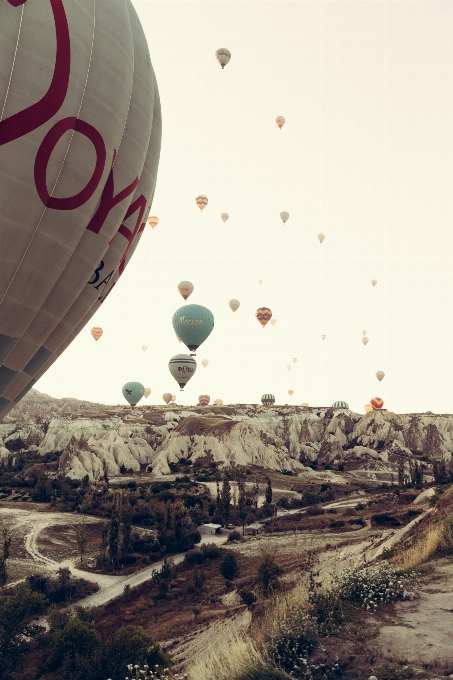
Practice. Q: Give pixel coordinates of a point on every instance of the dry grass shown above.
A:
(422, 549)
(213, 426)
(234, 661)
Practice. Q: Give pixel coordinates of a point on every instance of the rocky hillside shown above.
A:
(295, 439)
(37, 407)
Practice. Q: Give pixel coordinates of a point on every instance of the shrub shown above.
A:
(248, 597)
(229, 566)
(234, 536)
(194, 557)
(211, 551)
(360, 506)
(349, 511)
(315, 510)
(267, 574)
(294, 640)
(332, 511)
(371, 586)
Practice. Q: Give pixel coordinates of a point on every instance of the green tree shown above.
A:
(81, 539)
(225, 499)
(114, 534)
(126, 528)
(268, 492)
(76, 650)
(4, 554)
(229, 566)
(267, 574)
(198, 579)
(130, 644)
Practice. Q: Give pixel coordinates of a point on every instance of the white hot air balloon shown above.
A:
(323, 337)
(373, 282)
(218, 402)
(234, 304)
(185, 288)
(260, 281)
(205, 362)
(80, 138)
(224, 216)
(273, 321)
(182, 367)
(144, 348)
(147, 392)
(295, 360)
(280, 120)
(173, 398)
(288, 367)
(223, 56)
(321, 237)
(363, 332)
(380, 375)
(284, 216)
(365, 341)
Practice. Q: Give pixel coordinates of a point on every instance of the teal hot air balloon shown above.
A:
(133, 392)
(182, 367)
(193, 324)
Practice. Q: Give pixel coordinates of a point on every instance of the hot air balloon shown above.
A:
(224, 216)
(260, 281)
(167, 397)
(377, 403)
(144, 348)
(295, 360)
(305, 403)
(280, 120)
(218, 402)
(234, 304)
(380, 375)
(133, 392)
(284, 216)
(96, 332)
(205, 362)
(204, 399)
(185, 288)
(288, 368)
(368, 408)
(201, 201)
(182, 367)
(223, 56)
(263, 314)
(193, 324)
(273, 322)
(290, 392)
(339, 404)
(323, 337)
(69, 213)
(321, 237)
(173, 398)
(373, 282)
(365, 341)
(147, 392)
(363, 332)
(268, 399)
(153, 222)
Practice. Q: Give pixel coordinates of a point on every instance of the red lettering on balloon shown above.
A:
(45, 151)
(23, 122)
(139, 204)
(108, 200)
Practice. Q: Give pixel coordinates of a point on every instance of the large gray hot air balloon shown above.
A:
(78, 166)
(182, 367)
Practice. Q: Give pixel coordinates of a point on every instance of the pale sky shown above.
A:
(365, 157)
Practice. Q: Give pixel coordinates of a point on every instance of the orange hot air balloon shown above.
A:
(280, 120)
(204, 399)
(173, 398)
(96, 332)
(144, 348)
(295, 360)
(377, 403)
(368, 408)
(201, 201)
(290, 392)
(153, 222)
(263, 314)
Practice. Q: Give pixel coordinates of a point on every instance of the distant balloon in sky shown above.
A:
(193, 324)
(263, 314)
(153, 222)
(288, 368)
(273, 322)
(323, 337)
(173, 398)
(182, 367)
(205, 362)
(295, 360)
(80, 134)
(305, 403)
(377, 403)
(321, 237)
(363, 332)
(368, 408)
(339, 404)
(267, 399)
(284, 216)
(204, 399)
(144, 348)
(234, 304)
(96, 332)
(185, 288)
(260, 281)
(167, 397)
(133, 392)
(380, 375)
(224, 216)
(365, 341)
(223, 56)
(290, 392)
(280, 120)
(147, 392)
(201, 201)
(373, 282)
(218, 402)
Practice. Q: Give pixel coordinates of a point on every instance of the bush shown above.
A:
(349, 511)
(332, 511)
(229, 566)
(294, 641)
(194, 557)
(211, 551)
(234, 536)
(248, 597)
(267, 574)
(315, 510)
(371, 586)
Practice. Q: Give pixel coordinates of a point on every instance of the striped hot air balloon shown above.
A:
(263, 314)
(218, 402)
(153, 222)
(204, 399)
(268, 399)
(377, 403)
(96, 332)
(201, 201)
(339, 404)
